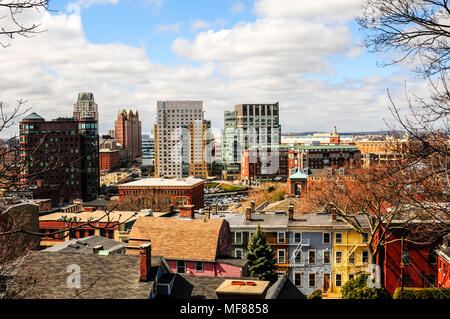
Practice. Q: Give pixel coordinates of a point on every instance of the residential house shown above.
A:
(443, 261)
(58, 275)
(194, 246)
(90, 245)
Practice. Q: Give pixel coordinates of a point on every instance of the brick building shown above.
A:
(180, 191)
(62, 153)
(109, 159)
(128, 133)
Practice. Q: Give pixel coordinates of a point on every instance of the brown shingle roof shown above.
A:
(189, 239)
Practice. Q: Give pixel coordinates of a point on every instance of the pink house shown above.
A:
(193, 246)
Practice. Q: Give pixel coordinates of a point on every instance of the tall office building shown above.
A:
(128, 133)
(85, 105)
(148, 151)
(181, 139)
(248, 126)
(62, 153)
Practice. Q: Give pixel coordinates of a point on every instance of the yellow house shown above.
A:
(350, 259)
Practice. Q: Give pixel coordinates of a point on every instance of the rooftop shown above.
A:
(98, 215)
(190, 181)
(243, 287)
(86, 245)
(190, 239)
(102, 277)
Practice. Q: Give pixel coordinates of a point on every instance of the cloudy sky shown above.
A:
(305, 54)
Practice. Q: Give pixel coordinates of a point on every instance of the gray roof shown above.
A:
(34, 116)
(197, 287)
(283, 288)
(102, 277)
(86, 245)
(281, 220)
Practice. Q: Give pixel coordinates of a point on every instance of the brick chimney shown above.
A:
(291, 212)
(145, 252)
(248, 213)
(187, 211)
(253, 206)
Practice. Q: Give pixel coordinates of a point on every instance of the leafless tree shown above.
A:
(11, 13)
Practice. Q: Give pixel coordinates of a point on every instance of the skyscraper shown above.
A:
(249, 125)
(181, 138)
(85, 105)
(128, 134)
(63, 153)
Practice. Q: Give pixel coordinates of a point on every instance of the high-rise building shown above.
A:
(248, 126)
(181, 139)
(128, 133)
(63, 153)
(148, 151)
(85, 105)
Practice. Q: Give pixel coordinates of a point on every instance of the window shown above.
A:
(237, 237)
(338, 280)
(406, 259)
(181, 266)
(297, 237)
(281, 237)
(199, 266)
(365, 256)
(298, 279)
(338, 238)
(432, 257)
(351, 258)
(326, 238)
(326, 257)
(338, 257)
(298, 257)
(281, 256)
(312, 256)
(351, 276)
(311, 280)
(238, 253)
(364, 237)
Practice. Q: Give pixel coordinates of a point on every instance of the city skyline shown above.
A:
(226, 53)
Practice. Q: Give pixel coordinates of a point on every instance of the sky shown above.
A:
(306, 55)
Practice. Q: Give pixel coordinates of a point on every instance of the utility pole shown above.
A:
(401, 268)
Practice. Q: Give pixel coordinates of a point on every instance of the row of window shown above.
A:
(312, 282)
(237, 238)
(181, 266)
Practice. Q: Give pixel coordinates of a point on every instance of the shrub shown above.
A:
(316, 294)
(270, 189)
(357, 289)
(422, 293)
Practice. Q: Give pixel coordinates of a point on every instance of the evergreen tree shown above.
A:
(261, 258)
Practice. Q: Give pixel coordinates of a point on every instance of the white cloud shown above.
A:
(326, 11)
(199, 24)
(264, 61)
(237, 7)
(168, 28)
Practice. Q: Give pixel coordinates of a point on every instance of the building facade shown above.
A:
(249, 125)
(148, 151)
(182, 137)
(63, 153)
(109, 160)
(85, 105)
(128, 133)
(178, 192)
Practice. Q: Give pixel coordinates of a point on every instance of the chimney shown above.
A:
(187, 211)
(207, 214)
(253, 205)
(97, 248)
(248, 213)
(291, 212)
(145, 252)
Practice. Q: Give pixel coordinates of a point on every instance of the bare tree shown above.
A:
(415, 29)
(11, 13)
